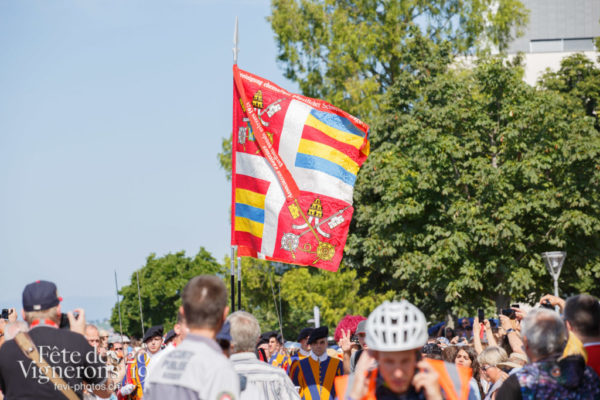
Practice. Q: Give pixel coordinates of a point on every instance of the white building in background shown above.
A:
(557, 29)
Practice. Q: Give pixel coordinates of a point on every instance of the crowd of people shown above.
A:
(549, 351)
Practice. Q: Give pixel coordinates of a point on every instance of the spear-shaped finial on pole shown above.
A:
(236, 50)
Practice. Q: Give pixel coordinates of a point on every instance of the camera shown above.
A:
(546, 304)
(5, 313)
(509, 312)
(64, 321)
(480, 315)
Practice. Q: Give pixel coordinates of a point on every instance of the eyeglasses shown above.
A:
(486, 367)
(362, 335)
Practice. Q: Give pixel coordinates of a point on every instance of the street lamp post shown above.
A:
(554, 261)
(317, 317)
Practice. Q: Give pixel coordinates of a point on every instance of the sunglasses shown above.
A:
(486, 367)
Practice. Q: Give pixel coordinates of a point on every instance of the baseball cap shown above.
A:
(361, 327)
(225, 333)
(40, 295)
(116, 338)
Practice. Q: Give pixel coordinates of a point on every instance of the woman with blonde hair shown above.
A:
(488, 362)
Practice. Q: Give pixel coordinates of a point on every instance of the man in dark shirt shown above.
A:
(67, 352)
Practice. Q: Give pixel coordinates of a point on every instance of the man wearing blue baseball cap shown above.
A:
(224, 338)
(49, 362)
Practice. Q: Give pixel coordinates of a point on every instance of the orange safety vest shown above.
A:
(453, 379)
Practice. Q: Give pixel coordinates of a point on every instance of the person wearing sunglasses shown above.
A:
(360, 335)
(488, 360)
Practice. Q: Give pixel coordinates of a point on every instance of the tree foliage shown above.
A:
(269, 288)
(161, 281)
(224, 157)
(578, 80)
(260, 291)
(349, 52)
(472, 172)
(471, 176)
(335, 293)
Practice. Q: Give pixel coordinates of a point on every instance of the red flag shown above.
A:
(295, 161)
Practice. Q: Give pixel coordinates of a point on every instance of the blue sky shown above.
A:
(112, 113)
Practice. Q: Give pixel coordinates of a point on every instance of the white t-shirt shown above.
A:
(196, 369)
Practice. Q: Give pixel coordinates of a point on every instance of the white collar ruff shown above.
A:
(304, 352)
(320, 358)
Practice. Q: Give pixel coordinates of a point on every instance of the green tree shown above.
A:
(472, 175)
(260, 285)
(161, 281)
(578, 80)
(224, 157)
(335, 293)
(269, 288)
(349, 52)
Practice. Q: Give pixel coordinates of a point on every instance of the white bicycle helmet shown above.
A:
(396, 326)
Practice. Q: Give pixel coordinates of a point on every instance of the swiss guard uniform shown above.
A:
(137, 370)
(279, 359)
(300, 355)
(128, 378)
(316, 374)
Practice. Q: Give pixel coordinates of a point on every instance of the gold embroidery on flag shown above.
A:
(294, 211)
(257, 100)
(315, 209)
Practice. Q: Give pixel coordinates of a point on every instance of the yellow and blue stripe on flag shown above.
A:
(250, 196)
(331, 144)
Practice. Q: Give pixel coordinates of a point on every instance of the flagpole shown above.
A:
(232, 282)
(235, 42)
(119, 307)
(239, 283)
(137, 277)
(277, 311)
(233, 248)
(280, 314)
